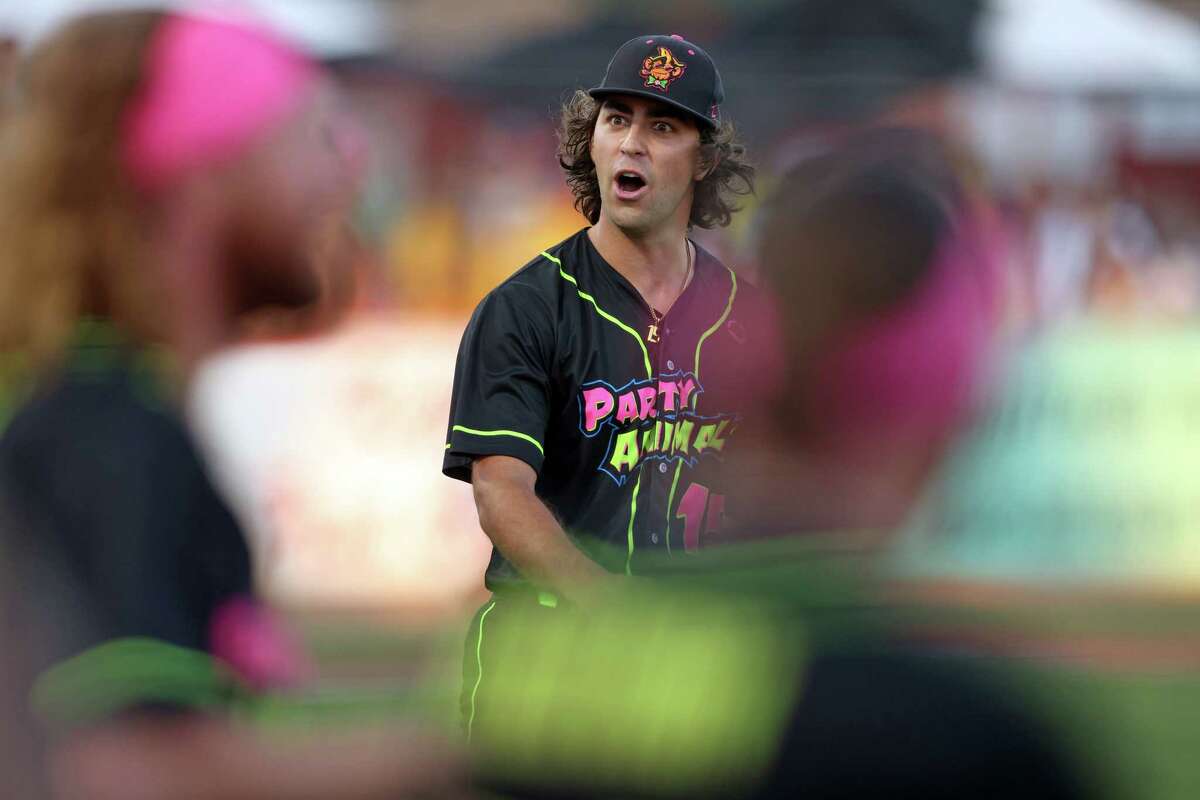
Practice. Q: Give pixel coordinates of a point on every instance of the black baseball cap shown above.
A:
(667, 68)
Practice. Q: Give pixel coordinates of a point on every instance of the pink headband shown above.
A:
(210, 88)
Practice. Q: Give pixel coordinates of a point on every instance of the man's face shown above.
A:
(647, 158)
(293, 187)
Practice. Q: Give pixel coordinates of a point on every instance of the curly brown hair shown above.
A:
(730, 173)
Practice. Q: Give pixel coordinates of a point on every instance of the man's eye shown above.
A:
(616, 119)
(664, 127)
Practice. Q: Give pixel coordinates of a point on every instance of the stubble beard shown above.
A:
(636, 222)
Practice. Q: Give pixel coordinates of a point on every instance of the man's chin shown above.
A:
(632, 221)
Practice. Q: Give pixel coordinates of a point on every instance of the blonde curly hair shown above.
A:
(69, 219)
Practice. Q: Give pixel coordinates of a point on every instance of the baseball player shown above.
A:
(597, 389)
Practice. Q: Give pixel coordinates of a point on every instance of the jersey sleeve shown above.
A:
(500, 402)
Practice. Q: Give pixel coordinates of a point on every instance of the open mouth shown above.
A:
(629, 185)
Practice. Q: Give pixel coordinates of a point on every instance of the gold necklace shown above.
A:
(656, 317)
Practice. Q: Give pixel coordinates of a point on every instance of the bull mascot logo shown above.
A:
(661, 70)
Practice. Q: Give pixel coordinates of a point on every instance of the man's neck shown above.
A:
(656, 264)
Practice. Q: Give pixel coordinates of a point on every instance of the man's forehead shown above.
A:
(654, 108)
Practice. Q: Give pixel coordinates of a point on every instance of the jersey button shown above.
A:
(662, 466)
(670, 365)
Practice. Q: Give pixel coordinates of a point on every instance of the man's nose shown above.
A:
(633, 144)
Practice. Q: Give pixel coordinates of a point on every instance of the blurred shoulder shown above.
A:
(112, 420)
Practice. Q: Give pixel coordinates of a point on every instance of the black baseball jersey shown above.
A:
(108, 497)
(625, 422)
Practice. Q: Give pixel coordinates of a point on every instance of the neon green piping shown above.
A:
(720, 321)
(649, 376)
(632, 516)
(517, 434)
(479, 663)
(603, 313)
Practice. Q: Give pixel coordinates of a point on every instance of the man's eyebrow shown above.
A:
(657, 111)
(618, 106)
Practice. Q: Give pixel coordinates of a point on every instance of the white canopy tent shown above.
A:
(1119, 46)
(1045, 62)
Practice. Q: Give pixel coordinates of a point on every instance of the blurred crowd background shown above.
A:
(1074, 125)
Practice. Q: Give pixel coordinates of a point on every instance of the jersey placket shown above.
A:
(644, 531)
(660, 479)
(668, 475)
(684, 330)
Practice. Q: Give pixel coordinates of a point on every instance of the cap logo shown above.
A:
(662, 70)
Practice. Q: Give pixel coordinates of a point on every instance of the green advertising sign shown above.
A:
(1084, 471)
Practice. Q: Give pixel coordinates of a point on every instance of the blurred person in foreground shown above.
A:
(885, 279)
(161, 174)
